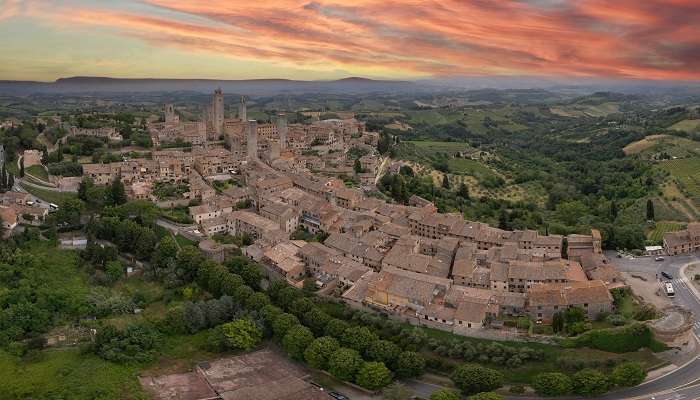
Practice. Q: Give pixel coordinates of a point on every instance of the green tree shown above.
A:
(296, 340)
(240, 334)
(21, 167)
(283, 323)
(410, 364)
(473, 378)
(628, 374)
(650, 210)
(446, 182)
(613, 210)
(114, 270)
(344, 363)
(319, 351)
(463, 191)
(316, 320)
(116, 193)
(335, 327)
(373, 375)
(84, 188)
(383, 351)
(396, 391)
(444, 394)
(357, 167)
(589, 382)
(552, 384)
(486, 396)
(358, 338)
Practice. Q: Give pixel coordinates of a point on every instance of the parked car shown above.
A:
(338, 396)
(659, 258)
(666, 275)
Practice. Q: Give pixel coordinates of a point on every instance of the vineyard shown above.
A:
(686, 171)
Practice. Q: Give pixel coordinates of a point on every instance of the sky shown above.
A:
(328, 39)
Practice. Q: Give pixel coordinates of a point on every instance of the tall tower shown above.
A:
(170, 116)
(242, 110)
(282, 130)
(252, 140)
(217, 112)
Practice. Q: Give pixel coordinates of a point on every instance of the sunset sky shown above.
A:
(327, 39)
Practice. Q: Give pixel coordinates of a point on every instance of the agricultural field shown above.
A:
(687, 125)
(657, 234)
(585, 110)
(672, 145)
(686, 173)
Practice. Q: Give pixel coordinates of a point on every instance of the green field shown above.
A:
(49, 195)
(468, 167)
(38, 171)
(657, 234)
(430, 148)
(687, 172)
(687, 125)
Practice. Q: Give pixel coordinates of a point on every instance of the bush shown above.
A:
(473, 378)
(589, 382)
(552, 384)
(358, 338)
(410, 364)
(486, 396)
(444, 394)
(618, 340)
(629, 374)
(373, 375)
(517, 389)
(241, 334)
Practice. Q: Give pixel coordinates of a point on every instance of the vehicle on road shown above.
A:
(659, 258)
(666, 275)
(53, 206)
(338, 396)
(669, 290)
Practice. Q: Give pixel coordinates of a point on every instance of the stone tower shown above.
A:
(252, 140)
(170, 116)
(242, 110)
(282, 130)
(217, 112)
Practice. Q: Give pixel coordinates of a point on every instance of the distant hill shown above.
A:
(253, 86)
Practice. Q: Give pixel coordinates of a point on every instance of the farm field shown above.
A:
(687, 125)
(686, 171)
(657, 234)
(38, 171)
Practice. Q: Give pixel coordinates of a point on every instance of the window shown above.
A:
(469, 325)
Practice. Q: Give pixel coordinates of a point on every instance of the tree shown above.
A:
(650, 210)
(335, 327)
(164, 255)
(446, 182)
(296, 340)
(383, 351)
(552, 384)
(557, 323)
(241, 334)
(21, 167)
(373, 375)
(473, 378)
(116, 194)
(316, 320)
(486, 396)
(613, 210)
(396, 391)
(114, 270)
(410, 364)
(344, 363)
(628, 374)
(257, 301)
(357, 167)
(589, 382)
(463, 191)
(283, 323)
(358, 338)
(301, 306)
(84, 187)
(445, 394)
(194, 317)
(319, 351)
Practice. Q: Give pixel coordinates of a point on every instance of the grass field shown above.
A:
(430, 148)
(641, 145)
(469, 167)
(49, 195)
(657, 234)
(38, 171)
(687, 125)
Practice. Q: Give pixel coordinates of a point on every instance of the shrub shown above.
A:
(297, 339)
(618, 340)
(486, 396)
(628, 374)
(473, 378)
(241, 334)
(320, 350)
(444, 394)
(552, 384)
(410, 364)
(589, 382)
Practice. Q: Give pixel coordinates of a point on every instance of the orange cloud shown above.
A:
(650, 39)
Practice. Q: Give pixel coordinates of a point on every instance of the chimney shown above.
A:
(252, 146)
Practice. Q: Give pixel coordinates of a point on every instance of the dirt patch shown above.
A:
(641, 145)
(647, 287)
